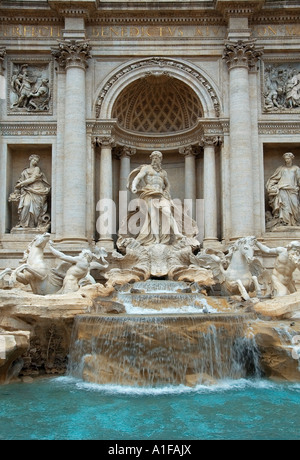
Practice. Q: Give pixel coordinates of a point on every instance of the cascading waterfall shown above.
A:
(157, 350)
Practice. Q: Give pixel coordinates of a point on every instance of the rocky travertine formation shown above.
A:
(35, 330)
(277, 344)
(36, 333)
(279, 307)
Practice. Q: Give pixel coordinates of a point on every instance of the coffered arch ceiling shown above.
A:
(157, 104)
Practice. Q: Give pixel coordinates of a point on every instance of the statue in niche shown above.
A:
(161, 220)
(288, 259)
(30, 89)
(31, 193)
(283, 193)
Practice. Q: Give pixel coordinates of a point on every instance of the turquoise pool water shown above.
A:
(64, 408)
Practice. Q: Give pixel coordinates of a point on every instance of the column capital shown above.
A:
(104, 141)
(125, 151)
(72, 53)
(2, 56)
(241, 53)
(188, 151)
(210, 140)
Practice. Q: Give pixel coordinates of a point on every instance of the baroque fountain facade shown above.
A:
(150, 228)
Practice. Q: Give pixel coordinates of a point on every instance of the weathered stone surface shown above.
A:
(35, 330)
(275, 343)
(103, 306)
(35, 336)
(279, 307)
(12, 346)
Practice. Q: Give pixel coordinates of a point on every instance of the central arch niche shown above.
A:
(157, 105)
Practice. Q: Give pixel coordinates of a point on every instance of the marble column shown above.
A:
(240, 56)
(125, 154)
(3, 155)
(58, 161)
(73, 56)
(106, 206)
(210, 188)
(190, 177)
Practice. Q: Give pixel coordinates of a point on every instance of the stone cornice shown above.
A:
(155, 17)
(109, 129)
(31, 128)
(35, 18)
(278, 127)
(73, 8)
(234, 8)
(275, 17)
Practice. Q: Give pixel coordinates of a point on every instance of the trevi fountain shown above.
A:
(150, 205)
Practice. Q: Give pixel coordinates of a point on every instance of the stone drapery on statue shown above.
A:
(283, 192)
(156, 218)
(31, 193)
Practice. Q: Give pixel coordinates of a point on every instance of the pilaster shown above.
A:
(72, 55)
(209, 143)
(106, 206)
(240, 56)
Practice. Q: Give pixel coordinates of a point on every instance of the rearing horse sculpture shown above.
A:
(238, 271)
(45, 280)
(35, 271)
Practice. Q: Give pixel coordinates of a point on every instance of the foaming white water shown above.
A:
(186, 309)
(220, 386)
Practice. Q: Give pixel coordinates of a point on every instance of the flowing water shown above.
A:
(65, 408)
(167, 297)
(159, 350)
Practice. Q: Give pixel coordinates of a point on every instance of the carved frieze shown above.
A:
(277, 127)
(281, 87)
(28, 129)
(30, 88)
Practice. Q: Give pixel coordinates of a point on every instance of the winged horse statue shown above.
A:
(239, 271)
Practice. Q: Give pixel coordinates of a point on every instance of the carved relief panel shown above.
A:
(281, 87)
(30, 86)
